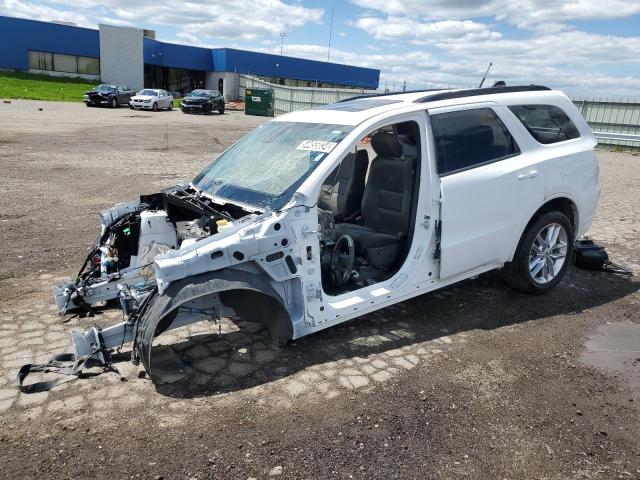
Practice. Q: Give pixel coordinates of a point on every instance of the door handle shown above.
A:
(531, 174)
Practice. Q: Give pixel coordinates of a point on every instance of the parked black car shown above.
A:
(203, 101)
(108, 96)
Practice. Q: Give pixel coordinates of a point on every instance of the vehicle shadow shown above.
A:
(211, 364)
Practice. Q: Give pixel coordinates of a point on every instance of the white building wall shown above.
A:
(122, 56)
(230, 84)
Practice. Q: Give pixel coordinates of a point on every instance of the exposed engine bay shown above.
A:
(120, 264)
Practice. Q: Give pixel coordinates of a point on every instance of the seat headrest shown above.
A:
(480, 136)
(385, 144)
(409, 148)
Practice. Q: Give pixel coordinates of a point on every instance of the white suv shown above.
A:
(323, 215)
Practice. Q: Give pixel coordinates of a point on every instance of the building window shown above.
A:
(58, 62)
(65, 63)
(89, 65)
(40, 60)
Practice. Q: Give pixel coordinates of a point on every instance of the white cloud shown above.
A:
(21, 9)
(187, 38)
(244, 19)
(521, 12)
(552, 53)
(397, 28)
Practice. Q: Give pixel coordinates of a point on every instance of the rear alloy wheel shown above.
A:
(154, 107)
(114, 103)
(543, 255)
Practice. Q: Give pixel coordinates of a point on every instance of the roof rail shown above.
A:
(388, 94)
(474, 92)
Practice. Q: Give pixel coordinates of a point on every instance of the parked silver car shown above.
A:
(152, 99)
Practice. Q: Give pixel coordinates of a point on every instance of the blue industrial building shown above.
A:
(133, 56)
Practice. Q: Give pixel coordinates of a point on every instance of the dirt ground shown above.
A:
(475, 381)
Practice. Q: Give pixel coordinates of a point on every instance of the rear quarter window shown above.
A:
(546, 123)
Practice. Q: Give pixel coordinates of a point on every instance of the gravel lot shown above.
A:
(475, 381)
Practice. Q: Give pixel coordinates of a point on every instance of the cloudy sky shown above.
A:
(585, 47)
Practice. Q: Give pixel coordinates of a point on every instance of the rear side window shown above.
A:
(470, 138)
(546, 123)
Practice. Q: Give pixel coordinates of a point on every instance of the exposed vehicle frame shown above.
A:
(268, 265)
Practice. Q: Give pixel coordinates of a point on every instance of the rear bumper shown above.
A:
(587, 209)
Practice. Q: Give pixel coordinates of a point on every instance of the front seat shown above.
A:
(386, 203)
(342, 191)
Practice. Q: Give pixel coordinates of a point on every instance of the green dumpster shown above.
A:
(258, 102)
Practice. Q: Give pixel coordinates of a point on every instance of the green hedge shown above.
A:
(43, 87)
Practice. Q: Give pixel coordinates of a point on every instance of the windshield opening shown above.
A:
(149, 93)
(266, 167)
(104, 88)
(199, 93)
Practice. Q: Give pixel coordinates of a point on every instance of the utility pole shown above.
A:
(283, 35)
(330, 35)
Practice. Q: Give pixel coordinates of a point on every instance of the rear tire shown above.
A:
(170, 106)
(221, 111)
(543, 254)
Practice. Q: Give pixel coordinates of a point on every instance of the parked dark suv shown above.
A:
(202, 101)
(108, 96)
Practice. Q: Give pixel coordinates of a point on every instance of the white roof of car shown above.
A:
(357, 110)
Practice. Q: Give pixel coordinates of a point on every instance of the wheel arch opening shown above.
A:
(251, 297)
(260, 307)
(559, 204)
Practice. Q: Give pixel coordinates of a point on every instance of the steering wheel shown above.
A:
(342, 259)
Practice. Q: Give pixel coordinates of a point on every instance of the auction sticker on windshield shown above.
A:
(316, 146)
